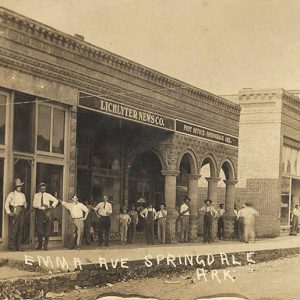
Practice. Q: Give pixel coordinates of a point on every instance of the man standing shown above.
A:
(43, 203)
(295, 220)
(209, 213)
(149, 214)
(184, 216)
(161, 217)
(221, 211)
(15, 206)
(104, 211)
(249, 214)
(79, 213)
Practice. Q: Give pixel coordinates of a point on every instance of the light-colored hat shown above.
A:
(18, 182)
(42, 184)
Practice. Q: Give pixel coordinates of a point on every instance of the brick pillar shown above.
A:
(212, 194)
(8, 172)
(229, 207)
(170, 201)
(71, 175)
(126, 185)
(212, 191)
(192, 192)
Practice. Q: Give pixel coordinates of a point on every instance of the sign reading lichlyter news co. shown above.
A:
(201, 132)
(115, 109)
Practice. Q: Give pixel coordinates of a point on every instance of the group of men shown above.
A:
(43, 203)
(244, 223)
(15, 206)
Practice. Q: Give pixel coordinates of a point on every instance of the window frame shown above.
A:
(7, 95)
(52, 106)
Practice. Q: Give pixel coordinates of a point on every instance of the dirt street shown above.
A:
(272, 280)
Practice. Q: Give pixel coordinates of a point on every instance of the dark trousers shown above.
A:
(220, 228)
(241, 229)
(149, 230)
(87, 230)
(43, 226)
(104, 227)
(236, 230)
(131, 233)
(16, 224)
(207, 235)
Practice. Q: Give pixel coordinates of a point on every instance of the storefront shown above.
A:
(290, 193)
(92, 123)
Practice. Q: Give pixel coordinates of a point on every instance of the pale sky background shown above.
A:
(220, 46)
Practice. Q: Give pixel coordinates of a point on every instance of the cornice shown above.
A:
(75, 79)
(50, 35)
(291, 100)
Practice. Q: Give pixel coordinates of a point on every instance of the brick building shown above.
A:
(92, 123)
(269, 156)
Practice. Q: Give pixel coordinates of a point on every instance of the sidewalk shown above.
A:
(91, 254)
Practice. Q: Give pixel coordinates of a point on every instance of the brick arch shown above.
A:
(146, 148)
(211, 160)
(192, 160)
(228, 168)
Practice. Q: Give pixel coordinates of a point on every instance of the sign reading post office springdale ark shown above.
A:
(205, 133)
(109, 107)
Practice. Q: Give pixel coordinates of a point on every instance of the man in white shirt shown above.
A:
(184, 216)
(295, 220)
(43, 203)
(15, 206)
(221, 211)
(161, 217)
(209, 213)
(248, 213)
(149, 214)
(104, 211)
(79, 213)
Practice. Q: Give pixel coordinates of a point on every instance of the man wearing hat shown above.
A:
(43, 203)
(15, 206)
(79, 213)
(209, 214)
(184, 216)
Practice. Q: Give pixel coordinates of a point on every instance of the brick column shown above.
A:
(212, 191)
(229, 207)
(170, 201)
(192, 192)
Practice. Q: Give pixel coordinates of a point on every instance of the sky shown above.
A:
(217, 45)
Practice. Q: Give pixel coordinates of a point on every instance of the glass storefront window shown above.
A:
(2, 118)
(51, 127)
(291, 160)
(1, 192)
(44, 128)
(52, 175)
(24, 120)
(58, 131)
(285, 201)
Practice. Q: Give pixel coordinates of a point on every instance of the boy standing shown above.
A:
(124, 221)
